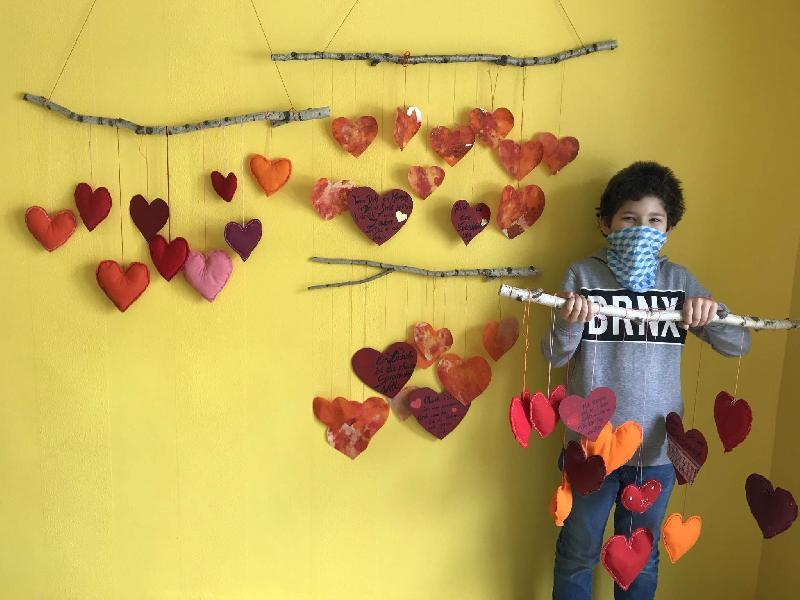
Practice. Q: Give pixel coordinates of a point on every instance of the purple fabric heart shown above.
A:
(379, 217)
(243, 240)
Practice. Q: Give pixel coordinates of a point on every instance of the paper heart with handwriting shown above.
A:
(625, 558)
(270, 173)
(430, 343)
(243, 240)
(616, 445)
(438, 413)
(544, 410)
(425, 180)
(452, 145)
(350, 424)
(639, 498)
(93, 206)
(123, 288)
(733, 419)
(464, 379)
(561, 503)
(500, 337)
(589, 415)
(491, 127)
(469, 220)
(399, 402)
(225, 186)
(208, 273)
(329, 199)
(680, 536)
(519, 159)
(149, 217)
(407, 121)
(774, 509)
(354, 136)
(558, 152)
(168, 257)
(50, 232)
(519, 209)
(687, 450)
(388, 371)
(379, 217)
(585, 474)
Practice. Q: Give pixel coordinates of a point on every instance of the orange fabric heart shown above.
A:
(464, 379)
(680, 536)
(122, 287)
(354, 136)
(520, 159)
(430, 343)
(558, 152)
(50, 233)
(519, 209)
(499, 338)
(561, 503)
(271, 174)
(351, 424)
(615, 446)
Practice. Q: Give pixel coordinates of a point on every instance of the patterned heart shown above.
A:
(407, 121)
(616, 446)
(224, 186)
(388, 371)
(544, 410)
(469, 221)
(243, 240)
(733, 419)
(687, 450)
(271, 174)
(122, 287)
(464, 379)
(93, 206)
(774, 509)
(354, 136)
(585, 475)
(379, 217)
(519, 209)
(491, 127)
(330, 199)
(519, 159)
(351, 425)
(499, 338)
(452, 145)
(430, 343)
(168, 258)
(589, 415)
(149, 217)
(625, 558)
(561, 503)
(209, 273)
(680, 536)
(438, 413)
(425, 180)
(639, 498)
(50, 233)
(558, 152)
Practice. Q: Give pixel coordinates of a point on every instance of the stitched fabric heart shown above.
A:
(430, 343)
(680, 536)
(519, 417)
(733, 419)
(544, 410)
(491, 127)
(424, 180)
(50, 233)
(225, 186)
(209, 273)
(388, 371)
(168, 258)
(589, 415)
(122, 287)
(500, 337)
(464, 379)
(351, 425)
(330, 199)
(399, 403)
(271, 174)
(93, 206)
(519, 159)
(585, 474)
(379, 217)
(243, 240)
(774, 509)
(561, 503)
(149, 217)
(616, 446)
(558, 152)
(687, 450)
(519, 209)
(469, 221)
(639, 498)
(452, 145)
(407, 121)
(625, 558)
(354, 136)
(438, 413)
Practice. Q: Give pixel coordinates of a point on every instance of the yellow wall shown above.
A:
(170, 452)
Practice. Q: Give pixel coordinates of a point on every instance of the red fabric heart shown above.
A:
(733, 418)
(93, 206)
(168, 257)
(379, 217)
(585, 475)
(499, 338)
(687, 450)
(625, 558)
(639, 498)
(388, 371)
(544, 410)
(407, 121)
(430, 343)
(330, 199)
(469, 221)
(351, 425)
(425, 180)
(224, 186)
(519, 418)
(520, 159)
(491, 127)
(149, 217)
(589, 415)
(122, 287)
(438, 413)
(354, 136)
(50, 233)
(558, 152)
(452, 145)
(519, 209)
(774, 509)
(465, 379)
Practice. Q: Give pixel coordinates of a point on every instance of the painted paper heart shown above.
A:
(519, 159)
(379, 217)
(93, 206)
(351, 425)
(407, 121)
(354, 136)
(519, 417)
(469, 221)
(558, 152)
(168, 258)
(639, 498)
(225, 186)
(544, 410)
(330, 199)
(388, 371)
(208, 274)
(243, 240)
(452, 145)
(438, 413)
(625, 558)
(733, 418)
(585, 475)
(122, 287)
(271, 174)
(50, 233)
(491, 127)
(561, 503)
(399, 403)
(430, 343)
(425, 180)
(774, 509)
(149, 217)
(499, 338)
(680, 536)
(616, 446)
(589, 415)
(464, 379)
(519, 209)
(687, 450)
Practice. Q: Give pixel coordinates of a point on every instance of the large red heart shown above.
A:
(388, 371)
(774, 509)
(639, 498)
(519, 159)
(270, 173)
(452, 145)
(351, 425)
(491, 127)
(50, 233)
(500, 337)
(354, 136)
(625, 558)
(430, 343)
(438, 413)
(93, 206)
(469, 221)
(558, 152)
(425, 180)
(122, 287)
(687, 450)
(519, 209)
(544, 410)
(330, 199)
(168, 258)
(407, 121)
(733, 418)
(379, 217)
(589, 415)
(224, 186)
(585, 475)
(465, 379)
(149, 217)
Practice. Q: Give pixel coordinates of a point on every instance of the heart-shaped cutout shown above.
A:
(225, 186)
(399, 403)
(589, 415)
(168, 258)
(519, 159)
(452, 145)
(93, 206)
(122, 287)
(639, 498)
(500, 337)
(733, 419)
(519, 417)
(616, 446)
(774, 509)
(351, 425)
(424, 180)
(680, 536)
(50, 233)
(558, 152)
(330, 199)
(209, 273)
(561, 503)
(585, 474)
(438, 413)
(430, 343)
(388, 371)
(149, 217)
(625, 558)
(464, 379)
(243, 240)
(354, 136)
(544, 410)
(469, 221)
(519, 209)
(687, 450)
(491, 127)
(407, 121)
(379, 217)
(271, 174)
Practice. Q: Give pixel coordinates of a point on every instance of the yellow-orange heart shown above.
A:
(617, 446)
(561, 503)
(679, 536)
(271, 175)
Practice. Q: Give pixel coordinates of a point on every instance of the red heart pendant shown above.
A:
(639, 499)
(407, 121)
(168, 258)
(464, 379)
(544, 410)
(585, 474)
(424, 180)
(430, 343)
(558, 152)
(50, 233)
(452, 145)
(491, 127)
(224, 186)
(687, 450)
(588, 416)
(519, 159)
(379, 217)
(625, 558)
(388, 371)
(773, 508)
(149, 217)
(351, 425)
(122, 287)
(500, 337)
(93, 206)
(438, 413)
(354, 136)
(733, 418)
(469, 221)
(519, 209)
(519, 417)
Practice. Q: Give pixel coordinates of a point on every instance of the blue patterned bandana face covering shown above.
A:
(633, 256)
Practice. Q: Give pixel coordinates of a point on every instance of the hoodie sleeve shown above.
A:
(566, 336)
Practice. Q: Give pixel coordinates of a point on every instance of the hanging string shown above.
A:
(644, 404)
(404, 62)
(550, 356)
(71, 50)
(493, 84)
(560, 100)
(169, 204)
(91, 162)
(244, 164)
(121, 212)
(146, 166)
(466, 313)
(455, 74)
(427, 115)
(203, 146)
(522, 116)
(738, 364)
(472, 182)
(694, 412)
(269, 47)
(340, 25)
(569, 20)
(526, 321)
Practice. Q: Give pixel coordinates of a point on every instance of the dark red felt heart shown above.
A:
(149, 217)
(639, 498)
(243, 240)
(589, 415)
(687, 450)
(774, 509)
(93, 206)
(168, 258)
(438, 413)
(379, 217)
(224, 186)
(388, 371)
(733, 418)
(585, 475)
(469, 221)
(625, 558)
(452, 145)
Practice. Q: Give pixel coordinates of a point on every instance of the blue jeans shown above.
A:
(581, 538)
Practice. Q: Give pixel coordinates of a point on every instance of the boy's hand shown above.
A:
(577, 308)
(697, 312)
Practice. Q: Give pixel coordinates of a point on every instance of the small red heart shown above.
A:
(625, 558)
(519, 209)
(491, 127)
(351, 425)
(639, 498)
(733, 418)
(425, 180)
(585, 474)
(452, 145)
(149, 217)
(469, 221)
(50, 233)
(93, 206)
(168, 257)
(589, 415)
(379, 217)
(388, 371)
(224, 186)
(438, 413)
(499, 338)
(558, 152)
(687, 450)
(407, 121)
(464, 379)
(544, 410)
(122, 287)
(519, 159)
(354, 136)
(430, 343)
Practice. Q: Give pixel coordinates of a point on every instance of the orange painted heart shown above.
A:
(351, 425)
(425, 180)
(271, 174)
(519, 209)
(616, 447)
(519, 159)
(354, 136)
(330, 199)
(680, 536)
(407, 121)
(452, 145)
(558, 152)
(50, 233)
(499, 338)
(561, 503)
(122, 287)
(491, 127)
(430, 343)
(464, 379)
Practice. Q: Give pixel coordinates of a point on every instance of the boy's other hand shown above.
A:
(577, 308)
(697, 312)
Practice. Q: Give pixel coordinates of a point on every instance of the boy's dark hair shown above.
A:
(643, 178)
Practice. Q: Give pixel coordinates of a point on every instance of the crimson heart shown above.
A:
(93, 206)
(687, 450)
(438, 413)
(625, 558)
(639, 499)
(588, 416)
(558, 152)
(452, 145)
(774, 509)
(388, 371)
(733, 418)
(519, 209)
(407, 121)
(354, 136)
(149, 217)
(491, 127)
(379, 217)
(469, 221)
(243, 240)
(224, 186)
(585, 475)
(519, 159)
(544, 410)
(168, 258)
(519, 418)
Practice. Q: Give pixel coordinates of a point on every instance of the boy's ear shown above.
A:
(604, 225)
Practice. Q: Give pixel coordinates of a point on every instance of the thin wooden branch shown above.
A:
(538, 296)
(276, 118)
(376, 58)
(387, 268)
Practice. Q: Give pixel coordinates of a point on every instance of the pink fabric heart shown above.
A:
(208, 274)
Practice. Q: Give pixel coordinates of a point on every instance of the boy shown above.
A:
(640, 362)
